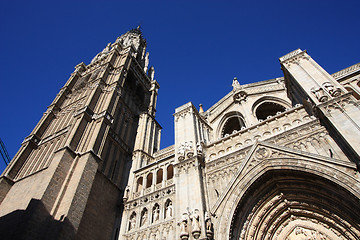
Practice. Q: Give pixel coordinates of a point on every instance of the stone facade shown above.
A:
(276, 159)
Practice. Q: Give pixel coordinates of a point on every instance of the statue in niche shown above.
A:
(156, 213)
(132, 222)
(144, 217)
(169, 210)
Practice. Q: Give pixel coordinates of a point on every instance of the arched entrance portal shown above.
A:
(290, 205)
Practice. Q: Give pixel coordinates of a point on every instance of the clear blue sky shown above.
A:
(197, 47)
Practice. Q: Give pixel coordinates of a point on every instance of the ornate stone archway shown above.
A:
(285, 204)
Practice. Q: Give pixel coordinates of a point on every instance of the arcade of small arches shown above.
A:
(157, 178)
(146, 217)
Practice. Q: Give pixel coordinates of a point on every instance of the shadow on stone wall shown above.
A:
(35, 222)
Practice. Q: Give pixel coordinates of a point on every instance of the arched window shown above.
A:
(170, 172)
(232, 124)
(159, 176)
(149, 179)
(268, 109)
(139, 184)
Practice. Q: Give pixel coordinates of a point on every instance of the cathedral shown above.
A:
(276, 159)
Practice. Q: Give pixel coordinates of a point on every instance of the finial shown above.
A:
(201, 110)
(235, 83)
(139, 27)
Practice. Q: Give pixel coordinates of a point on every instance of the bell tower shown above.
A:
(72, 170)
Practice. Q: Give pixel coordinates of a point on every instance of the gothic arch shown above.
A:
(271, 104)
(290, 197)
(231, 121)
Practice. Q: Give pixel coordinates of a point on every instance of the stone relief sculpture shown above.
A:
(240, 96)
(303, 233)
(181, 152)
(187, 148)
(334, 92)
(319, 94)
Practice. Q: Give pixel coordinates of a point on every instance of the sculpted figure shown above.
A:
(195, 220)
(334, 92)
(199, 148)
(156, 213)
(208, 222)
(169, 210)
(183, 225)
(235, 83)
(144, 218)
(181, 150)
(319, 94)
(146, 61)
(188, 146)
(132, 222)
